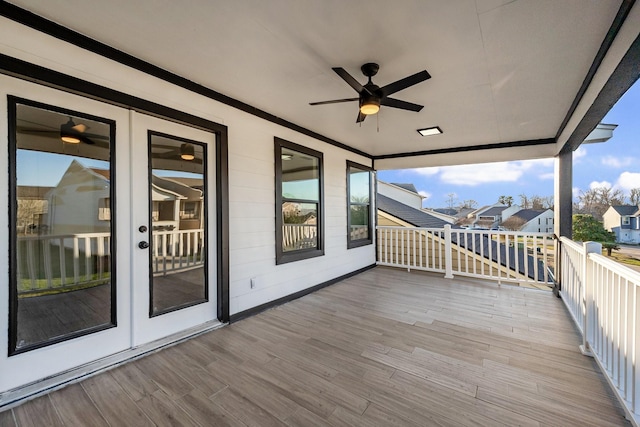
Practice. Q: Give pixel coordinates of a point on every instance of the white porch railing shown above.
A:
(603, 297)
(51, 262)
(55, 262)
(298, 236)
(177, 250)
(500, 255)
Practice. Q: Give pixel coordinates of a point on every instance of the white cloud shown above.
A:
(472, 175)
(550, 175)
(599, 184)
(579, 153)
(424, 194)
(617, 162)
(575, 193)
(425, 171)
(628, 180)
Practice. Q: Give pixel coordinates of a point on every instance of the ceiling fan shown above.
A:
(69, 132)
(371, 96)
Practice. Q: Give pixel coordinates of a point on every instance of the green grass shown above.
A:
(623, 259)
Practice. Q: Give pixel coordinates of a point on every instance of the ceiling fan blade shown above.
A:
(405, 83)
(95, 136)
(350, 80)
(80, 127)
(361, 117)
(335, 101)
(404, 105)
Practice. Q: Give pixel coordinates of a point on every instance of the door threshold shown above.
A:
(18, 396)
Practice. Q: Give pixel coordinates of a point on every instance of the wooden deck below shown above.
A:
(384, 348)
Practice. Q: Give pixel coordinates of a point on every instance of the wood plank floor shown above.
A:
(384, 348)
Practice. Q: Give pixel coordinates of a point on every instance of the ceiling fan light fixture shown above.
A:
(435, 130)
(68, 133)
(187, 152)
(370, 105)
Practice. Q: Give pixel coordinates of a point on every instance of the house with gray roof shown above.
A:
(533, 220)
(624, 221)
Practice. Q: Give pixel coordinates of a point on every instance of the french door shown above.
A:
(109, 241)
(174, 269)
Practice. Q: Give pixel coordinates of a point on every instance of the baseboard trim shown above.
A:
(260, 308)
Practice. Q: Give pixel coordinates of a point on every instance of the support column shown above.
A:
(563, 194)
(563, 207)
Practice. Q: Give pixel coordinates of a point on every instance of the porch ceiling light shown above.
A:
(187, 152)
(69, 133)
(435, 130)
(369, 104)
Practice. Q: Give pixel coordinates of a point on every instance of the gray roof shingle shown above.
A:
(408, 214)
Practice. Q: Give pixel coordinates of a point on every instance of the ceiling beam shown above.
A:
(614, 29)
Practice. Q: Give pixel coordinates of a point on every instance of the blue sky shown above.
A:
(615, 163)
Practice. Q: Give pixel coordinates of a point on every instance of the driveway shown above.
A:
(632, 251)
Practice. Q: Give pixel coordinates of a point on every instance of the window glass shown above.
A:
(359, 199)
(178, 226)
(299, 189)
(62, 240)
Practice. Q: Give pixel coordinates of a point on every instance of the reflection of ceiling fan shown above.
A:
(69, 132)
(184, 152)
(372, 96)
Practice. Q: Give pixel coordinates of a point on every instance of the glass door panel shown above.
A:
(62, 285)
(178, 234)
(65, 304)
(173, 277)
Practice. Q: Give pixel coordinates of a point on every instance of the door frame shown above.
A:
(44, 76)
(147, 326)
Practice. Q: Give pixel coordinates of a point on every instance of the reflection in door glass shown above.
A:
(61, 216)
(178, 223)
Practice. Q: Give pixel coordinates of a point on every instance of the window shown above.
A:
(626, 220)
(62, 252)
(104, 209)
(299, 202)
(358, 205)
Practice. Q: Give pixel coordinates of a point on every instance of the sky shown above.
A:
(615, 163)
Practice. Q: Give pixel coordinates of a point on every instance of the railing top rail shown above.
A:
(575, 245)
(399, 227)
(615, 267)
(466, 230)
(62, 236)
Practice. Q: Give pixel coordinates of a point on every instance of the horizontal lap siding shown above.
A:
(251, 172)
(253, 245)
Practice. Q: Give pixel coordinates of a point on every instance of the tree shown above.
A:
(596, 201)
(587, 228)
(513, 223)
(451, 200)
(524, 201)
(634, 196)
(505, 200)
(468, 204)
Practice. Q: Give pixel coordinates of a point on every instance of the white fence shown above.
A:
(54, 262)
(177, 250)
(603, 298)
(500, 255)
(49, 262)
(299, 236)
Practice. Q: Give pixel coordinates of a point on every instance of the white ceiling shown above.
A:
(501, 70)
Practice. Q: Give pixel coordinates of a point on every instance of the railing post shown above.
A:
(448, 258)
(587, 295)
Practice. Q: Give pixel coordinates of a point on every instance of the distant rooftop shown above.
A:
(408, 187)
(413, 216)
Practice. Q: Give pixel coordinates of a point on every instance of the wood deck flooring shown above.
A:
(383, 348)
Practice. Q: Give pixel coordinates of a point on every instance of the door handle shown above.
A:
(143, 245)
